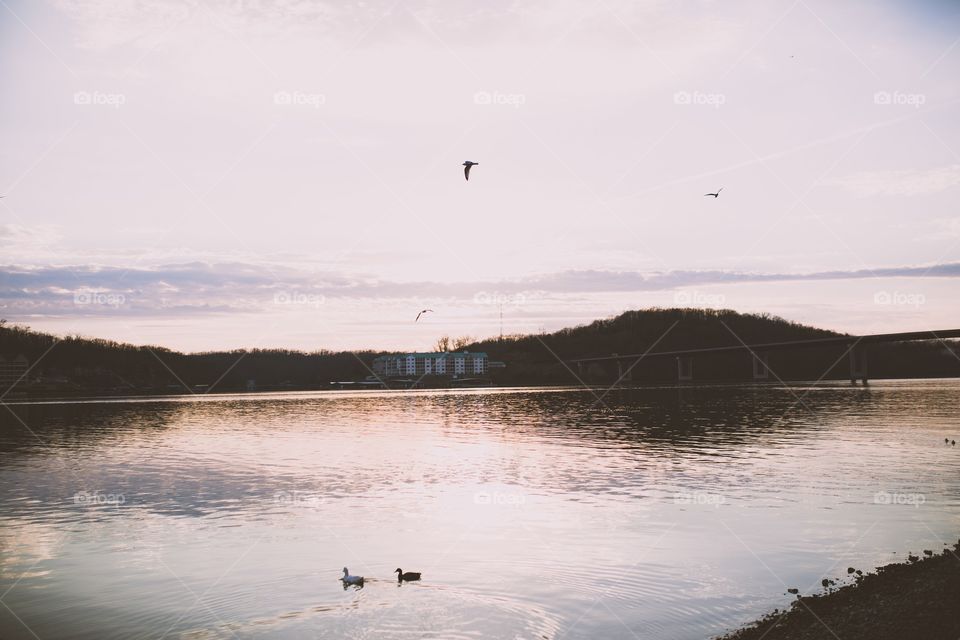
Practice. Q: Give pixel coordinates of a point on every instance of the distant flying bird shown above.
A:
(423, 312)
(466, 168)
(715, 195)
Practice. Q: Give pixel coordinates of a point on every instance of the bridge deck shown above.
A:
(771, 346)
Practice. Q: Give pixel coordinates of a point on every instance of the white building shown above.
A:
(458, 364)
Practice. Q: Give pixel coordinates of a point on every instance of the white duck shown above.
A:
(349, 579)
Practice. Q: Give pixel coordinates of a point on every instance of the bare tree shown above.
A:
(461, 342)
(442, 344)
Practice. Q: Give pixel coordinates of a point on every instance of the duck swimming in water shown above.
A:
(409, 576)
(349, 579)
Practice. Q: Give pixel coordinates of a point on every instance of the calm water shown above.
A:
(659, 513)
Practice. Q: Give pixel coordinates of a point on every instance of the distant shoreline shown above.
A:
(665, 343)
(19, 398)
(914, 599)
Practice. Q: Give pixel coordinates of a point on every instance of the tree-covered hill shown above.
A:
(75, 364)
(536, 358)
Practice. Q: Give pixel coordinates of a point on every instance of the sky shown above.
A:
(218, 174)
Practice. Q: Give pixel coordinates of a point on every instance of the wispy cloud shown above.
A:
(104, 24)
(200, 288)
(905, 182)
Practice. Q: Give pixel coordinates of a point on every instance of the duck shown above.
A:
(349, 579)
(409, 576)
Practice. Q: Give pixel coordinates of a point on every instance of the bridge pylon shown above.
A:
(858, 364)
(761, 370)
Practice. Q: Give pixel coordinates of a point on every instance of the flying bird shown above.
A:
(423, 312)
(715, 195)
(466, 168)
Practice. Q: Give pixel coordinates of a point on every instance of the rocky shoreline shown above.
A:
(919, 598)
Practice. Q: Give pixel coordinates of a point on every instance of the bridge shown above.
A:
(856, 347)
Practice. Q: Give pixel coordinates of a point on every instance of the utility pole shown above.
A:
(501, 321)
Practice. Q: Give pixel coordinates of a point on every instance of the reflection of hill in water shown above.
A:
(196, 458)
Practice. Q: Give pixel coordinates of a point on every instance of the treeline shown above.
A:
(81, 365)
(75, 363)
(536, 359)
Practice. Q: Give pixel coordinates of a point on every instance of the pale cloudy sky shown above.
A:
(226, 173)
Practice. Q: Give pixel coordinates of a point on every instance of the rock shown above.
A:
(906, 600)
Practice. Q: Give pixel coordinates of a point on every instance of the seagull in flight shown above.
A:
(715, 195)
(423, 312)
(466, 168)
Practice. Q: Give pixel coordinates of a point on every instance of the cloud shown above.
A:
(194, 288)
(106, 24)
(905, 182)
(18, 235)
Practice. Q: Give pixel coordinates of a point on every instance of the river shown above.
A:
(668, 513)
